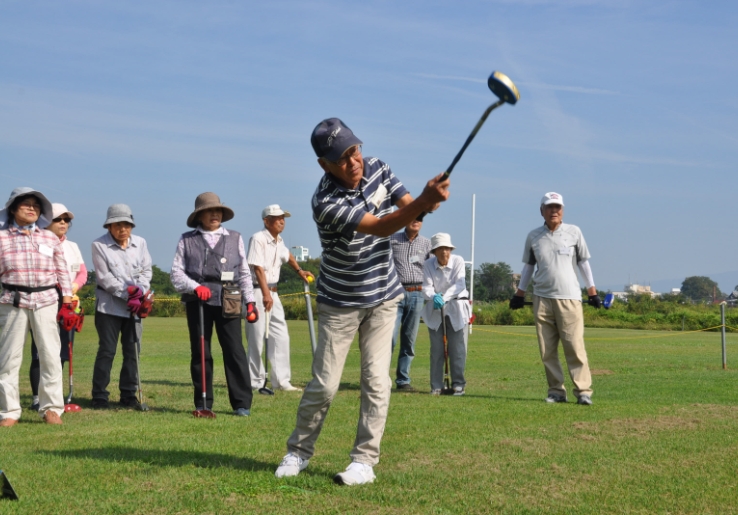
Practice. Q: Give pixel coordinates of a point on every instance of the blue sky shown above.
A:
(628, 109)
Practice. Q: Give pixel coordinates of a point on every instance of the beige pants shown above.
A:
(279, 344)
(336, 330)
(563, 320)
(46, 332)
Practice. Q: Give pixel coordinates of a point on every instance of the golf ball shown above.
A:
(310, 278)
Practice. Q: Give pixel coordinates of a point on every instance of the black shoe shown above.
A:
(35, 407)
(100, 404)
(130, 402)
(405, 388)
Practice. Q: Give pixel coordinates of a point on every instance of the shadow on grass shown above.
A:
(165, 383)
(164, 458)
(349, 386)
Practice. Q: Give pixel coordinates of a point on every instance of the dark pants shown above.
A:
(35, 371)
(109, 327)
(234, 355)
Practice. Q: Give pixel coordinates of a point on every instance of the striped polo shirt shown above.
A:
(356, 269)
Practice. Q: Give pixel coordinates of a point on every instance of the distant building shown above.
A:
(301, 253)
(635, 289)
(676, 291)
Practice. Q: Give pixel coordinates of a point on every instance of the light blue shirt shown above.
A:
(116, 269)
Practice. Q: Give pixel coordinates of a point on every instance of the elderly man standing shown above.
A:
(358, 291)
(267, 252)
(409, 252)
(557, 300)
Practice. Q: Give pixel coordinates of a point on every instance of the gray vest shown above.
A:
(205, 265)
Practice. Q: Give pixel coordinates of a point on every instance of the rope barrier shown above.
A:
(178, 299)
(671, 334)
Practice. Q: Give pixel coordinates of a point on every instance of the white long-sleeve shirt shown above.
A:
(449, 281)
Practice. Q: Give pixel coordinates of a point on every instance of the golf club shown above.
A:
(7, 489)
(264, 390)
(504, 89)
(204, 412)
(141, 406)
(309, 306)
(607, 303)
(68, 406)
(447, 390)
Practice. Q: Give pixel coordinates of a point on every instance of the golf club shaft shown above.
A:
(71, 372)
(309, 307)
(468, 141)
(202, 356)
(267, 319)
(138, 367)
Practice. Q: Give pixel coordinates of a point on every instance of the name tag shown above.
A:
(415, 259)
(75, 268)
(379, 195)
(226, 276)
(45, 250)
(565, 251)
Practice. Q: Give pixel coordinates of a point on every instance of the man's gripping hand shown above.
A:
(517, 302)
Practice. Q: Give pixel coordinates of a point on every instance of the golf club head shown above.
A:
(7, 489)
(609, 299)
(142, 407)
(72, 408)
(447, 391)
(203, 413)
(501, 85)
(265, 391)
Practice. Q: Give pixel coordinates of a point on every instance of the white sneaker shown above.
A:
(355, 474)
(458, 391)
(291, 465)
(289, 388)
(436, 392)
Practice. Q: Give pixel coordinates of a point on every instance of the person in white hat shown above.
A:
(555, 248)
(209, 259)
(32, 266)
(123, 273)
(446, 311)
(266, 255)
(60, 224)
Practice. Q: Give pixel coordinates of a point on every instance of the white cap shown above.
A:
(274, 210)
(59, 209)
(441, 239)
(552, 198)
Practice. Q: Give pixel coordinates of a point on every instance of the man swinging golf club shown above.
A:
(358, 291)
(555, 248)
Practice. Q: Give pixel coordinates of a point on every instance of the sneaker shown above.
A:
(355, 474)
(35, 407)
(52, 418)
(553, 398)
(242, 412)
(458, 391)
(7, 422)
(586, 400)
(407, 388)
(289, 388)
(291, 465)
(130, 402)
(437, 391)
(100, 404)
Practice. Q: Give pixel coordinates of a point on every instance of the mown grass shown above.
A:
(660, 438)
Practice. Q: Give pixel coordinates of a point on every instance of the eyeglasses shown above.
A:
(62, 219)
(350, 154)
(30, 204)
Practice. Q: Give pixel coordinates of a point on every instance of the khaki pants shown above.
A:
(336, 330)
(558, 319)
(279, 344)
(46, 332)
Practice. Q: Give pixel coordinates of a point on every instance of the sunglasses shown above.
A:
(62, 219)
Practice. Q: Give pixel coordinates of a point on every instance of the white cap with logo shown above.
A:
(552, 198)
(274, 210)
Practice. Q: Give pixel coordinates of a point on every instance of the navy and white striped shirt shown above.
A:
(356, 269)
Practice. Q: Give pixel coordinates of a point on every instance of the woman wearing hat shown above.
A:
(60, 224)
(444, 289)
(31, 266)
(123, 273)
(207, 258)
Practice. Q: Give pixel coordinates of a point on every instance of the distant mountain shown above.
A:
(726, 282)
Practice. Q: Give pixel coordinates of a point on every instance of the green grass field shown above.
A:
(662, 436)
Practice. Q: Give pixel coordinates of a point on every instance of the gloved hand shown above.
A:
(438, 301)
(517, 302)
(134, 299)
(80, 321)
(594, 301)
(252, 314)
(67, 317)
(203, 293)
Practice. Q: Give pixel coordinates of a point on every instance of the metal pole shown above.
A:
(722, 329)
(309, 307)
(471, 277)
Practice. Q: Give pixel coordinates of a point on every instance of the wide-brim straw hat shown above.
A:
(208, 200)
(441, 239)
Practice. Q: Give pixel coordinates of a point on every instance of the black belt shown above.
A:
(24, 289)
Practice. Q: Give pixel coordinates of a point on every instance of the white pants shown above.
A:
(278, 351)
(46, 332)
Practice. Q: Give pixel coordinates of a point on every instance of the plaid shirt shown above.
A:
(33, 260)
(409, 256)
